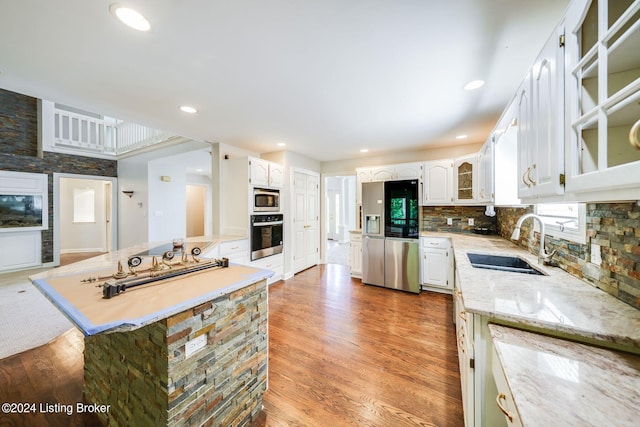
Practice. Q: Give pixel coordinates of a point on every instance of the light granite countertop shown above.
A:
(557, 303)
(555, 382)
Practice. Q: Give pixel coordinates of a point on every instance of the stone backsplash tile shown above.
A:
(434, 218)
(613, 226)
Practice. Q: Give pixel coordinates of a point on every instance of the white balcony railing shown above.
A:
(103, 136)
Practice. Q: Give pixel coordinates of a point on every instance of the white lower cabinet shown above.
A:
(274, 263)
(464, 334)
(503, 398)
(355, 255)
(436, 264)
(237, 251)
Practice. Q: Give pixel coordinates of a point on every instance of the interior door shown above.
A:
(306, 240)
(333, 214)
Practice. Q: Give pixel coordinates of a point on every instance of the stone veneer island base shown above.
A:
(148, 380)
(187, 350)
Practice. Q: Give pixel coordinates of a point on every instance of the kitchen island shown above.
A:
(190, 349)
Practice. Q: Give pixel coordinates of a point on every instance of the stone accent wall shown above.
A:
(19, 153)
(613, 226)
(18, 124)
(146, 378)
(434, 218)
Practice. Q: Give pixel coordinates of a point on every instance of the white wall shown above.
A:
(157, 210)
(133, 211)
(82, 236)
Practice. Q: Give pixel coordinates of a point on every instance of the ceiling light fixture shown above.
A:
(474, 84)
(188, 109)
(461, 136)
(281, 144)
(364, 150)
(130, 17)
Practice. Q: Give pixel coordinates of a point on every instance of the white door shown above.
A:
(333, 214)
(306, 204)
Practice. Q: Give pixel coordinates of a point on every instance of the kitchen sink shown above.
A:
(502, 263)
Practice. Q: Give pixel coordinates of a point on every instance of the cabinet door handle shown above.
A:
(524, 179)
(633, 135)
(531, 180)
(506, 413)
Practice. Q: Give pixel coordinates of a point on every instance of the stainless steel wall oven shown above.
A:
(266, 235)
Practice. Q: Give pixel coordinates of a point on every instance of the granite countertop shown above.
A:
(559, 382)
(558, 303)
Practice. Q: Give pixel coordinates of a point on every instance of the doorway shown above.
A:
(196, 210)
(340, 217)
(84, 216)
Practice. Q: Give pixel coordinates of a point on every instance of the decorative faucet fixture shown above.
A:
(543, 256)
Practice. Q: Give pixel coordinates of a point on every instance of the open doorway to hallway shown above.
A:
(84, 217)
(340, 217)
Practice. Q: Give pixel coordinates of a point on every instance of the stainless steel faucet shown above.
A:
(543, 256)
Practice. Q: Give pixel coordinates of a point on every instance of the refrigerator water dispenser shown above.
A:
(372, 224)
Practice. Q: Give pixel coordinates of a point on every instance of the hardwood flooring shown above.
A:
(340, 354)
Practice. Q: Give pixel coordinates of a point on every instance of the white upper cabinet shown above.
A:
(265, 173)
(362, 175)
(465, 177)
(382, 173)
(485, 192)
(505, 153)
(541, 123)
(438, 183)
(603, 99)
(409, 171)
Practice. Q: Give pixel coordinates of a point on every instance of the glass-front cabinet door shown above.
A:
(603, 94)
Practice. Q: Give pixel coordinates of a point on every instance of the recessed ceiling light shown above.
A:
(199, 170)
(130, 17)
(364, 150)
(474, 84)
(188, 109)
(461, 137)
(281, 144)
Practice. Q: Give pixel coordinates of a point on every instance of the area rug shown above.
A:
(27, 318)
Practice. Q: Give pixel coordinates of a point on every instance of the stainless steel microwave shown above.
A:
(266, 200)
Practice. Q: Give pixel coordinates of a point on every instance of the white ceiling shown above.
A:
(327, 77)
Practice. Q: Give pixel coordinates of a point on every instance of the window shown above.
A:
(564, 220)
(84, 205)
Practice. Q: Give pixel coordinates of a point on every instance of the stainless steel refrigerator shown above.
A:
(390, 247)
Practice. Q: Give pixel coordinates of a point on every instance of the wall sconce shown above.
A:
(127, 193)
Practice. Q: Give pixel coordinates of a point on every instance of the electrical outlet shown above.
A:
(449, 221)
(192, 346)
(471, 221)
(595, 254)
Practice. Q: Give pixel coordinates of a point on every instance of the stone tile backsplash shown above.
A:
(434, 218)
(615, 227)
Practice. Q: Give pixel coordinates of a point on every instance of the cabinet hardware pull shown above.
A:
(307, 226)
(633, 135)
(524, 180)
(531, 180)
(506, 413)
(463, 315)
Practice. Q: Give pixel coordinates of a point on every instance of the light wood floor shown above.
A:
(340, 354)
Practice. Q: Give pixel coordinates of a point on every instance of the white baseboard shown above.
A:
(81, 250)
